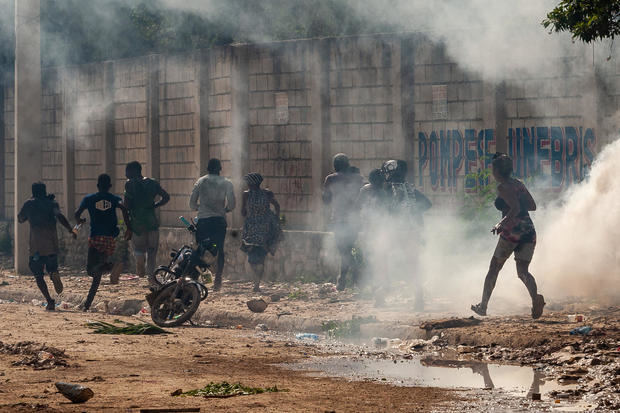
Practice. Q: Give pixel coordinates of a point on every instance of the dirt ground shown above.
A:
(133, 372)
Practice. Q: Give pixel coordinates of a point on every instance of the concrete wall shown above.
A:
(283, 109)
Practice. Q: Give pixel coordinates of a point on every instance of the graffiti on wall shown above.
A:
(560, 155)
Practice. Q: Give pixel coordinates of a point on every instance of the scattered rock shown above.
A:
(257, 305)
(262, 327)
(75, 392)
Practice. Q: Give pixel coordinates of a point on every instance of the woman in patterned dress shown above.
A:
(261, 230)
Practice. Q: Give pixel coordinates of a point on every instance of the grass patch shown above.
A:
(298, 295)
(225, 389)
(100, 327)
(348, 328)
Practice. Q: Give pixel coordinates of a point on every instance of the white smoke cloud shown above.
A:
(579, 240)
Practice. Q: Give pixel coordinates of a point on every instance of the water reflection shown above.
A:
(521, 381)
(482, 369)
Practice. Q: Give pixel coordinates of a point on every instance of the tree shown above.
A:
(586, 20)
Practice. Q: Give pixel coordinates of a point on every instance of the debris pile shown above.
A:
(36, 355)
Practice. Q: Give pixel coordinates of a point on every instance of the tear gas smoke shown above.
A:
(579, 241)
(577, 254)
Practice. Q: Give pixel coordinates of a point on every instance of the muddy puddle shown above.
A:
(456, 374)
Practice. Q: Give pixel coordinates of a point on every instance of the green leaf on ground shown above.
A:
(225, 389)
(101, 327)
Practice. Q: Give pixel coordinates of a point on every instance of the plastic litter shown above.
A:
(584, 330)
(576, 318)
(307, 336)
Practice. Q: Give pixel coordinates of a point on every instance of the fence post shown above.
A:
(201, 109)
(108, 121)
(152, 116)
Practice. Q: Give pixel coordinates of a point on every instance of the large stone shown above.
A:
(75, 392)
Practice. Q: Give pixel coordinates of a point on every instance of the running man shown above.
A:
(41, 211)
(101, 208)
(213, 197)
(516, 234)
(140, 194)
(340, 192)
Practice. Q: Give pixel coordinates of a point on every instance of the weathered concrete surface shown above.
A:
(28, 154)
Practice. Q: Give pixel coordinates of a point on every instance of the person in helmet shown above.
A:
(340, 193)
(403, 197)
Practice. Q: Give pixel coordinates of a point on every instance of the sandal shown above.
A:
(478, 309)
(537, 306)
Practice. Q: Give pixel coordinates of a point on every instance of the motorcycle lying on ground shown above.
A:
(176, 288)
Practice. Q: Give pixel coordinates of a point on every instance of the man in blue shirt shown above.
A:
(101, 207)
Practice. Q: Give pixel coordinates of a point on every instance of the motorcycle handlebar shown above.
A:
(190, 227)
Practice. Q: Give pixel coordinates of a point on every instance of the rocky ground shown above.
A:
(237, 351)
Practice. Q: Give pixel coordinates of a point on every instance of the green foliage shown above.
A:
(348, 328)
(80, 31)
(586, 20)
(311, 278)
(478, 203)
(298, 295)
(225, 389)
(5, 241)
(100, 327)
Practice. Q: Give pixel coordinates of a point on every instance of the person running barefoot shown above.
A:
(516, 234)
(42, 212)
(261, 229)
(101, 207)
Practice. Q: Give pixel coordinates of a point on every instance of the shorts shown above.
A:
(524, 251)
(39, 264)
(213, 228)
(98, 262)
(147, 241)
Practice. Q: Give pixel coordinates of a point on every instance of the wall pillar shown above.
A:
(399, 141)
(201, 110)
(320, 117)
(239, 142)
(407, 101)
(2, 150)
(494, 112)
(27, 117)
(152, 117)
(69, 102)
(107, 151)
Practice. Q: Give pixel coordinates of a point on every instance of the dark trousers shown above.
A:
(214, 229)
(345, 242)
(38, 264)
(96, 265)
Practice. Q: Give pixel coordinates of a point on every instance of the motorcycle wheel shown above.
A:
(160, 277)
(168, 311)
